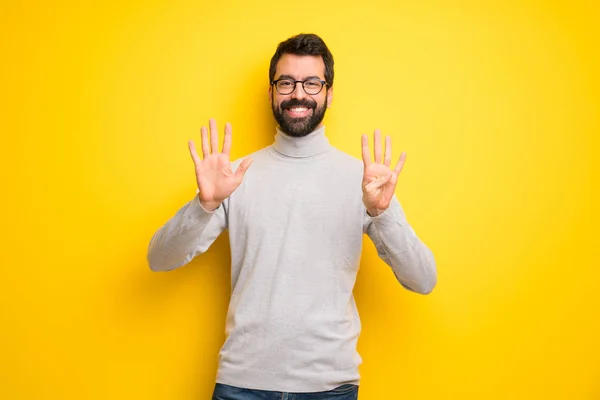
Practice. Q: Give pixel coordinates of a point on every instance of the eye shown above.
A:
(312, 84)
(285, 84)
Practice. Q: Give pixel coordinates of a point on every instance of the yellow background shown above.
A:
(496, 104)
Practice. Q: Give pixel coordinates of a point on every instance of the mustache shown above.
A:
(298, 103)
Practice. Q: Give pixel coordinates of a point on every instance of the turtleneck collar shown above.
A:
(298, 147)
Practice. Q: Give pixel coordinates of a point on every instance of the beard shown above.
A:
(298, 127)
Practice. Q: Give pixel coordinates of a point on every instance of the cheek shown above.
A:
(277, 100)
(322, 101)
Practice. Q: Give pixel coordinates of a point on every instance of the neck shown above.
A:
(306, 146)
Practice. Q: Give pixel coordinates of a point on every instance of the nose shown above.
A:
(298, 92)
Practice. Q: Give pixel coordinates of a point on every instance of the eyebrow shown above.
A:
(292, 78)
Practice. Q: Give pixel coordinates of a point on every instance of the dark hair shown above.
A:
(304, 44)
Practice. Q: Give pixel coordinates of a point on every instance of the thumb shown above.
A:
(243, 167)
(377, 183)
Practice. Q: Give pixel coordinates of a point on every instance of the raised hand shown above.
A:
(216, 181)
(379, 180)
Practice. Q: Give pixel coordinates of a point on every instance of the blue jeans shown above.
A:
(226, 392)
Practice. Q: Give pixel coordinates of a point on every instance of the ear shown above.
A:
(329, 97)
(270, 93)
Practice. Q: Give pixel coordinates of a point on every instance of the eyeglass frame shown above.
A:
(323, 83)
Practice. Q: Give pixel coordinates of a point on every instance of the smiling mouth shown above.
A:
(297, 112)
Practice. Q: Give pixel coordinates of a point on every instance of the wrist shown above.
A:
(374, 212)
(209, 206)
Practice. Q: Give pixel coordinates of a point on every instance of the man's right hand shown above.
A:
(216, 181)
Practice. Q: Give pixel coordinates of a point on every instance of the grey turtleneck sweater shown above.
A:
(295, 228)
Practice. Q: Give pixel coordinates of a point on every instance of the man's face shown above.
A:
(299, 113)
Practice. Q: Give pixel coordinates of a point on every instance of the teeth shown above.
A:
(298, 109)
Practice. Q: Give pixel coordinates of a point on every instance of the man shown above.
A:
(295, 219)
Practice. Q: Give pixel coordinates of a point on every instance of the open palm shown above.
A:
(379, 180)
(214, 176)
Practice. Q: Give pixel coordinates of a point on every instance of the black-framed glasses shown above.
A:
(311, 86)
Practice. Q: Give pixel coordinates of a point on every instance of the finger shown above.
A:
(205, 146)
(389, 190)
(365, 150)
(388, 151)
(214, 136)
(400, 163)
(242, 168)
(227, 139)
(377, 145)
(193, 153)
(394, 179)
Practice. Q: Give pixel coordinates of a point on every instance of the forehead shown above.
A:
(300, 67)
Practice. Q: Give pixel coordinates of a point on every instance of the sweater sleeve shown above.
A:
(187, 234)
(397, 244)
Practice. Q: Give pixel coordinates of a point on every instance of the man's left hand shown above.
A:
(379, 180)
